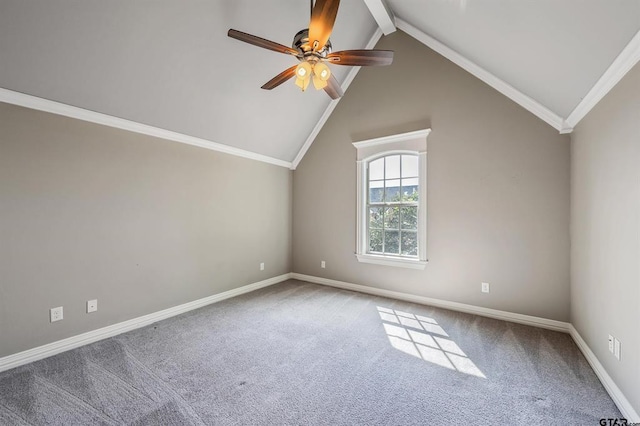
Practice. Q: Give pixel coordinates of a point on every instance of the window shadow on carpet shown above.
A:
(423, 338)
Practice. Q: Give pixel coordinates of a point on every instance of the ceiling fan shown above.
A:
(312, 47)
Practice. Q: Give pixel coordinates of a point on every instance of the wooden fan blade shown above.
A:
(261, 42)
(361, 57)
(322, 19)
(333, 88)
(280, 78)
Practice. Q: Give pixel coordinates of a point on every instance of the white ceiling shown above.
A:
(169, 64)
(551, 50)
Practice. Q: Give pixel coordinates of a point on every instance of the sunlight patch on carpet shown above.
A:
(423, 338)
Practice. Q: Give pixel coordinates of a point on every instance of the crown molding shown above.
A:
(501, 86)
(332, 105)
(46, 105)
(383, 15)
(623, 63)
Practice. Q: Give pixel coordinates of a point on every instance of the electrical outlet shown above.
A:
(485, 287)
(262, 266)
(616, 348)
(611, 343)
(55, 314)
(92, 305)
(323, 264)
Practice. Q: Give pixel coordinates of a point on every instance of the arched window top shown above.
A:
(388, 153)
(393, 177)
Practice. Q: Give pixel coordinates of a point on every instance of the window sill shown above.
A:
(392, 261)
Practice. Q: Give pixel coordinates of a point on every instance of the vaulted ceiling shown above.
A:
(170, 65)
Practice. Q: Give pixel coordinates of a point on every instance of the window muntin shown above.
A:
(392, 205)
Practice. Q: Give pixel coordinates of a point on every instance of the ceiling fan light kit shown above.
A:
(312, 47)
(317, 72)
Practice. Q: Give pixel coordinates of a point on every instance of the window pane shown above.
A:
(375, 240)
(409, 166)
(376, 191)
(375, 217)
(409, 243)
(410, 189)
(391, 217)
(392, 164)
(392, 242)
(376, 169)
(392, 191)
(409, 217)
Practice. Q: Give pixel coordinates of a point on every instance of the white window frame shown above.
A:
(412, 143)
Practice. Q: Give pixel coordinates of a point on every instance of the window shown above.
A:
(392, 203)
(392, 200)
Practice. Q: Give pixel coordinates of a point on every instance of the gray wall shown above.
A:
(139, 223)
(605, 231)
(498, 188)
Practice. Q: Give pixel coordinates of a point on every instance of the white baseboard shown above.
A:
(454, 306)
(614, 391)
(54, 348)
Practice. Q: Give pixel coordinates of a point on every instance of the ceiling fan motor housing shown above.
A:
(301, 43)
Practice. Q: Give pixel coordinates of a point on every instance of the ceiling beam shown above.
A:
(383, 15)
